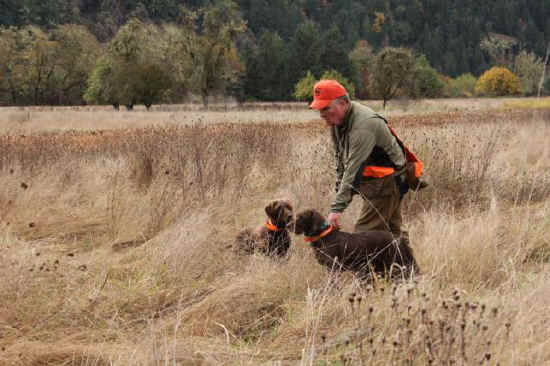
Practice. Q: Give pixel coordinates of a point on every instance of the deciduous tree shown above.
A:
(210, 45)
(529, 68)
(362, 60)
(393, 71)
(132, 70)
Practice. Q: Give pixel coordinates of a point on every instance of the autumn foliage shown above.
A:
(498, 81)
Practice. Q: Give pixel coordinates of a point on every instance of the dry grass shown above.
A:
(29, 120)
(537, 103)
(114, 248)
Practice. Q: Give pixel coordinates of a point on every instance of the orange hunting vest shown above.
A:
(383, 171)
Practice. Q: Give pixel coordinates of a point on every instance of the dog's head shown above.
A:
(281, 213)
(309, 222)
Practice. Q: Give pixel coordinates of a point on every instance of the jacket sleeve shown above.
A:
(361, 143)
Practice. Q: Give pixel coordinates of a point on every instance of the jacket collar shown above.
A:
(346, 125)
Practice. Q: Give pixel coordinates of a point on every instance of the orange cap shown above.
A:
(324, 92)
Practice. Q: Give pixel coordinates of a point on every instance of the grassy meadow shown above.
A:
(116, 231)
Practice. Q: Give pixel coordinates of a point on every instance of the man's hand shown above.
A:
(333, 219)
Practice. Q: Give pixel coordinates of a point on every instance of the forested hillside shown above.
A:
(280, 40)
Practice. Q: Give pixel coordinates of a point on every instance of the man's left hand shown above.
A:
(333, 219)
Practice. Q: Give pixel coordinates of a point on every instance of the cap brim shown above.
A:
(319, 104)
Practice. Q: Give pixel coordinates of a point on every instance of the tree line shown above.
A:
(144, 52)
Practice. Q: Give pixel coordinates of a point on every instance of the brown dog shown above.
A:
(363, 253)
(273, 237)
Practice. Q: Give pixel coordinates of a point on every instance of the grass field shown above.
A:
(116, 227)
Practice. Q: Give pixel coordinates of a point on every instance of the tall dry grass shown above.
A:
(114, 248)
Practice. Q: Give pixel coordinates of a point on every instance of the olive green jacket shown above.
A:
(362, 132)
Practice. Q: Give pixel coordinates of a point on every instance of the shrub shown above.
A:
(425, 82)
(335, 75)
(498, 81)
(463, 86)
(304, 87)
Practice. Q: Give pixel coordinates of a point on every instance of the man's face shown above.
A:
(334, 113)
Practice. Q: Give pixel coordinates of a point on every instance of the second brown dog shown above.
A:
(364, 253)
(273, 237)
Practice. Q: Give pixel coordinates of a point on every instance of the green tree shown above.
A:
(39, 59)
(500, 48)
(393, 71)
(529, 68)
(304, 88)
(276, 16)
(425, 81)
(462, 86)
(132, 70)
(362, 59)
(102, 88)
(77, 53)
(335, 55)
(267, 69)
(151, 81)
(34, 65)
(306, 50)
(48, 13)
(346, 83)
(11, 70)
(210, 45)
(11, 14)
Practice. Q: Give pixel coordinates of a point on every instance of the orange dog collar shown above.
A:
(313, 239)
(269, 225)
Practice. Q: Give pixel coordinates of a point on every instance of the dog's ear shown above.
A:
(287, 206)
(271, 209)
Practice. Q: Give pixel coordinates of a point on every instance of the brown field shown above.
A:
(115, 230)
(28, 120)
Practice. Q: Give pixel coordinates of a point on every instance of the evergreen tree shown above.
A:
(306, 50)
(335, 55)
(267, 75)
(11, 14)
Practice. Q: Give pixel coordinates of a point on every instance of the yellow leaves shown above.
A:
(379, 20)
(498, 81)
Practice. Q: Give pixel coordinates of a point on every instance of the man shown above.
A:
(369, 160)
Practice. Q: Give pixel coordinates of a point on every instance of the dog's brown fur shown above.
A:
(262, 240)
(363, 253)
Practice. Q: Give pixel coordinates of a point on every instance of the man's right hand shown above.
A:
(333, 219)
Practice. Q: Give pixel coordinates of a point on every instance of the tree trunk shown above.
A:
(204, 95)
(544, 70)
